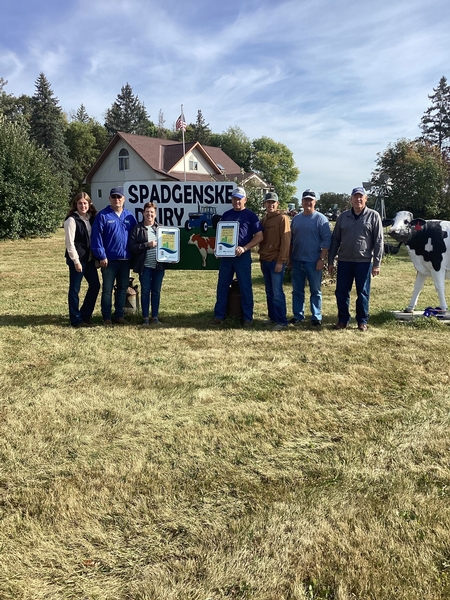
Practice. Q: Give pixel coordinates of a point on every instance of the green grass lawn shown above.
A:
(189, 463)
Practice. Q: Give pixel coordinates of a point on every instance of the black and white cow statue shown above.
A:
(428, 245)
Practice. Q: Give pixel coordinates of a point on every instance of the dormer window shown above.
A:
(193, 165)
(124, 160)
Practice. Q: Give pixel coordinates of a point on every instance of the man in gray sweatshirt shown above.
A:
(357, 241)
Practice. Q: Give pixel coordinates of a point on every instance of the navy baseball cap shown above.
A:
(116, 191)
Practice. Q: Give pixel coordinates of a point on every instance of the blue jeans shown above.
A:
(89, 272)
(360, 273)
(117, 271)
(242, 266)
(151, 282)
(301, 271)
(276, 300)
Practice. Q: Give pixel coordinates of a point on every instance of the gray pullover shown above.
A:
(357, 240)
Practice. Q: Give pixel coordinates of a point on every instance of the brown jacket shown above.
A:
(277, 237)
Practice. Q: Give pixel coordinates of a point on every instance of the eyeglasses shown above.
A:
(116, 196)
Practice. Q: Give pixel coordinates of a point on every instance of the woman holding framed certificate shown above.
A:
(143, 244)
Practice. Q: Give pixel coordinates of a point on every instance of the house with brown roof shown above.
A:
(130, 157)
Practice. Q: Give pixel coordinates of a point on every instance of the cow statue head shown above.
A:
(401, 226)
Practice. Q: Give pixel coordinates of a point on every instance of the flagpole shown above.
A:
(184, 146)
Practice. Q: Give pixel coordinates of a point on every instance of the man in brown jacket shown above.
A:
(274, 255)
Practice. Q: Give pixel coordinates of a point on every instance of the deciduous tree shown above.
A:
(31, 203)
(236, 145)
(419, 176)
(331, 200)
(85, 138)
(14, 109)
(274, 162)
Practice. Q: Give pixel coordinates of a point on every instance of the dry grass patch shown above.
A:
(186, 463)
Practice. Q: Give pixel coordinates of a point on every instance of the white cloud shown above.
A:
(336, 82)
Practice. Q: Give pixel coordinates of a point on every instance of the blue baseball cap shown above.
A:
(358, 190)
(116, 191)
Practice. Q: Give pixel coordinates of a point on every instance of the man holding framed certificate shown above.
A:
(250, 234)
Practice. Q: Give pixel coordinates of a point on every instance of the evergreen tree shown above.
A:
(200, 130)
(128, 114)
(47, 128)
(81, 116)
(31, 203)
(162, 132)
(435, 123)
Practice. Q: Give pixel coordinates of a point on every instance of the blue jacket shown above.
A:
(110, 233)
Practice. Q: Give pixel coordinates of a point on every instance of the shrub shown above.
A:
(32, 202)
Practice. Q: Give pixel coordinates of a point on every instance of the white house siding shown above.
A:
(108, 174)
(204, 166)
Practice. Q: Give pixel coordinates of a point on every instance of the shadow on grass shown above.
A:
(202, 322)
(33, 320)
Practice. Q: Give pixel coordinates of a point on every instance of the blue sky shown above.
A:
(336, 81)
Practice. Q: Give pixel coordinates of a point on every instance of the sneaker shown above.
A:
(316, 323)
(121, 321)
(155, 321)
(247, 324)
(295, 321)
(216, 321)
(146, 322)
(279, 327)
(269, 322)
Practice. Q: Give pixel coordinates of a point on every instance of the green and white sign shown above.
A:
(195, 207)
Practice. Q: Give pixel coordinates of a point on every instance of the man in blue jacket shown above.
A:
(109, 245)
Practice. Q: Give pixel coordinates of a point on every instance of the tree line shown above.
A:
(414, 174)
(45, 154)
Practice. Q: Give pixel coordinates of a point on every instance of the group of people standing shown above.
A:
(110, 238)
(306, 245)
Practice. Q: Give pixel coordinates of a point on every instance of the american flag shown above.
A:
(181, 122)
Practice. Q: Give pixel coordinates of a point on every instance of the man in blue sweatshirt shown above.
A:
(109, 245)
(310, 241)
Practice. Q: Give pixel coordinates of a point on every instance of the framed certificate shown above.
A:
(226, 238)
(168, 244)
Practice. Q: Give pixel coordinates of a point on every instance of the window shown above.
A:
(124, 160)
(193, 165)
(99, 193)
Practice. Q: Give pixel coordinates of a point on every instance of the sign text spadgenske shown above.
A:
(174, 200)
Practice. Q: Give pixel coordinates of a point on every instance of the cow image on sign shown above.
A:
(204, 244)
(428, 245)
